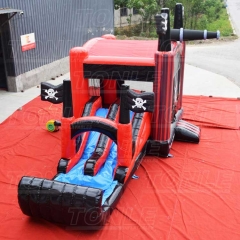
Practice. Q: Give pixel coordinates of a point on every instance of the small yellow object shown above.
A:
(51, 126)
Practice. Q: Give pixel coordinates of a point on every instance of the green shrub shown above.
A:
(212, 19)
(222, 23)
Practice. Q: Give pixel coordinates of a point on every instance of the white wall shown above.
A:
(135, 18)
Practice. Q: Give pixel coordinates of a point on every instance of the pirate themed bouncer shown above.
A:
(106, 127)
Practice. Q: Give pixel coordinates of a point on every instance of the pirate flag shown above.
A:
(51, 93)
(140, 102)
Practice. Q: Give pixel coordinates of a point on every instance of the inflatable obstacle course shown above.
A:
(107, 128)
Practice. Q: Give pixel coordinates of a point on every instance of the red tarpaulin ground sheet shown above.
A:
(194, 195)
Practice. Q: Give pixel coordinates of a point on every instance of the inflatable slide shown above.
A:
(106, 127)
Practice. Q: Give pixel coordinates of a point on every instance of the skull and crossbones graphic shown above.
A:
(51, 93)
(139, 103)
(165, 22)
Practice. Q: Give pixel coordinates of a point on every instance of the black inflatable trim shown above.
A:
(187, 132)
(67, 99)
(73, 205)
(162, 148)
(60, 202)
(62, 165)
(190, 35)
(158, 148)
(178, 16)
(88, 106)
(120, 174)
(119, 72)
(124, 115)
(94, 125)
(137, 162)
(112, 200)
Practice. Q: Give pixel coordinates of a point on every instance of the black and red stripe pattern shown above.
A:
(163, 89)
(187, 132)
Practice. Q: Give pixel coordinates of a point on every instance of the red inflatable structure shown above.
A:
(108, 128)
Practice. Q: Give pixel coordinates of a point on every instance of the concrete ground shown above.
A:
(12, 101)
(196, 82)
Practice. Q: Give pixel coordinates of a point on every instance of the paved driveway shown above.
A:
(221, 58)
